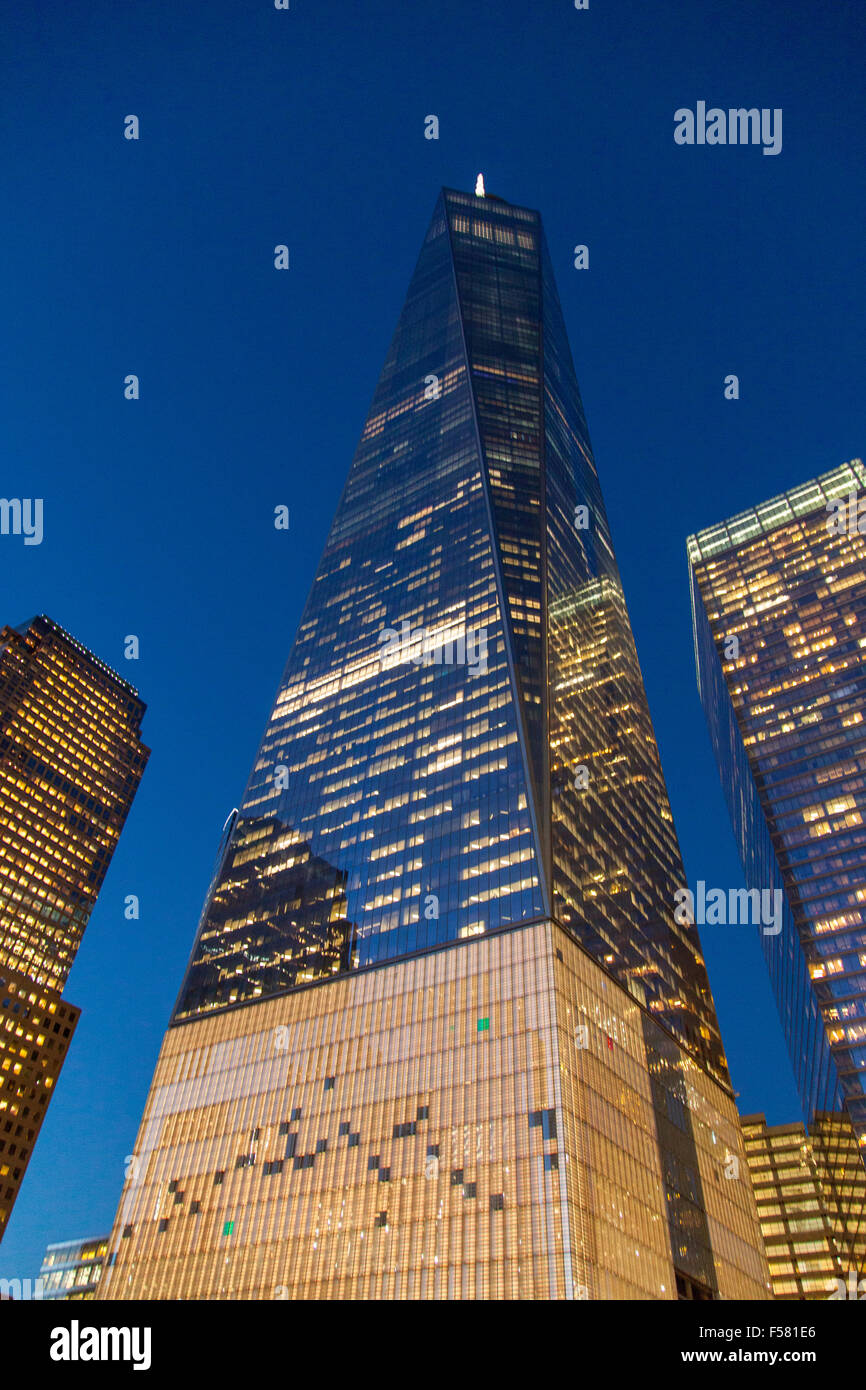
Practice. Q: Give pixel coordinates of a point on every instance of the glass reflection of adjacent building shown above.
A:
(810, 1191)
(276, 917)
(779, 603)
(440, 1036)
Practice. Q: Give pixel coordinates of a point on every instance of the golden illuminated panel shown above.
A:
(615, 850)
(36, 1028)
(437, 1128)
(634, 1099)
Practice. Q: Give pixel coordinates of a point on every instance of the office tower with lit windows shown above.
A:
(779, 604)
(810, 1191)
(71, 759)
(71, 1269)
(440, 1036)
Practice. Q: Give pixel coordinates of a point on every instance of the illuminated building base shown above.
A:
(498, 1119)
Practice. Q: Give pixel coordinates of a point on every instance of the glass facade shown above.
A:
(779, 603)
(71, 1270)
(440, 1036)
(810, 1191)
(497, 764)
(71, 759)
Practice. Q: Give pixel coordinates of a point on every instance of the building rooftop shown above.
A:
(779, 511)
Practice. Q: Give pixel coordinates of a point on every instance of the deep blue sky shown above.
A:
(156, 257)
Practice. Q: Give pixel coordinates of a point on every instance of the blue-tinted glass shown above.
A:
(465, 651)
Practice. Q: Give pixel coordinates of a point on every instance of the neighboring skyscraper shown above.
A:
(71, 759)
(810, 1189)
(779, 604)
(440, 1035)
(72, 1269)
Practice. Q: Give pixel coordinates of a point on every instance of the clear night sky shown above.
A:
(155, 257)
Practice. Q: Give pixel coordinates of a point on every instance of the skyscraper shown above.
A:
(779, 604)
(71, 1269)
(440, 1036)
(71, 759)
(810, 1190)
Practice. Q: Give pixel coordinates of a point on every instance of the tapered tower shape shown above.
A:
(440, 1035)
